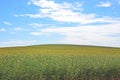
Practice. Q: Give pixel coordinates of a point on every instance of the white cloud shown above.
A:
(37, 25)
(66, 12)
(39, 33)
(104, 4)
(103, 35)
(78, 4)
(72, 12)
(17, 43)
(118, 1)
(7, 23)
(18, 29)
(2, 29)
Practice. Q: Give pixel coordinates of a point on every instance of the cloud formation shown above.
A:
(7, 23)
(118, 1)
(67, 12)
(92, 28)
(104, 4)
(2, 29)
(18, 29)
(102, 34)
(37, 25)
(90, 35)
(18, 43)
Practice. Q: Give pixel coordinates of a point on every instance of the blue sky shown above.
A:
(83, 22)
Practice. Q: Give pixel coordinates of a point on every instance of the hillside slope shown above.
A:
(63, 49)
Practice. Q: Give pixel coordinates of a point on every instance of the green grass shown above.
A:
(60, 62)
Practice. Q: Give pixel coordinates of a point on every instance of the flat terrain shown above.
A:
(59, 62)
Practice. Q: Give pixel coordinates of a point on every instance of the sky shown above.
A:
(81, 22)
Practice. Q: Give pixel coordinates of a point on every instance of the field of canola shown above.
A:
(60, 62)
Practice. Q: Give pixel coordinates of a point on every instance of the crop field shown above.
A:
(59, 62)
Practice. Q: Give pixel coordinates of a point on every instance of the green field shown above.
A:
(60, 62)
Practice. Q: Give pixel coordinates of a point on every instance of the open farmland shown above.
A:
(60, 62)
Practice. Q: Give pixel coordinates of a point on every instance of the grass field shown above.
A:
(60, 62)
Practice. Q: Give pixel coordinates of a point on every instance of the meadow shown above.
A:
(60, 62)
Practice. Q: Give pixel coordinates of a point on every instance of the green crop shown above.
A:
(59, 62)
